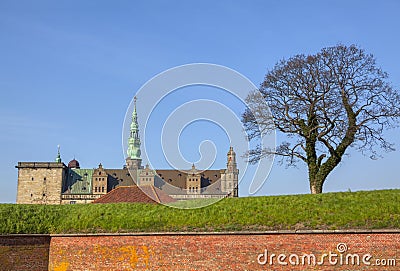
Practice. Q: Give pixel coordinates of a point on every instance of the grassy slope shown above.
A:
(356, 210)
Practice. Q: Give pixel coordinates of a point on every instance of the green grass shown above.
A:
(347, 210)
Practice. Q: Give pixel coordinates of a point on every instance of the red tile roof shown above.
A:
(144, 194)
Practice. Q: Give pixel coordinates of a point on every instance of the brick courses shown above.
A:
(198, 251)
(218, 251)
(24, 252)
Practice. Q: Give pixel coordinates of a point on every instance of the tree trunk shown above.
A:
(316, 188)
(315, 180)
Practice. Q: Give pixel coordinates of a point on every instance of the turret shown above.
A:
(230, 179)
(231, 165)
(58, 158)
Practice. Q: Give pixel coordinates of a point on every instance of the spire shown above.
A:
(134, 115)
(58, 158)
(231, 163)
(134, 140)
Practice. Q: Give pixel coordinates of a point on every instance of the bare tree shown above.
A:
(324, 103)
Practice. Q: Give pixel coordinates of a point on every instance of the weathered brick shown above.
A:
(218, 251)
(229, 251)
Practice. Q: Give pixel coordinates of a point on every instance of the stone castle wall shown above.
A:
(40, 182)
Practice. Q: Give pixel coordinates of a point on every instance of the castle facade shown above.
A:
(58, 183)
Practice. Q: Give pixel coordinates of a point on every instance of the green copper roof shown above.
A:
(134, 139)
(79, 181)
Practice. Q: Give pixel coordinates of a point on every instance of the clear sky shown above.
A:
(69, 69)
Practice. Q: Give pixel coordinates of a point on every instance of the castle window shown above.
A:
(32, 179)
(102, 189)
(31, 195)
(72, 202)
(44, 195)
(44, 179)
(95, 189)
(96, 179)
(99, 172)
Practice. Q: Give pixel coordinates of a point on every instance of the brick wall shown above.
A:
(273, 251)
(24, 252)
(226, 251)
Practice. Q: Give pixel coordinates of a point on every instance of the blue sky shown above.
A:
(69, 69)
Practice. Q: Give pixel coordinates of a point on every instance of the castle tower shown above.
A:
(134, 161)
(230, 180)
(41, 182)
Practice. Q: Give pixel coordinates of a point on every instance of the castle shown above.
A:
(57, 183)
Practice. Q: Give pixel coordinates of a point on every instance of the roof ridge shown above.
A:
(155, 192)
